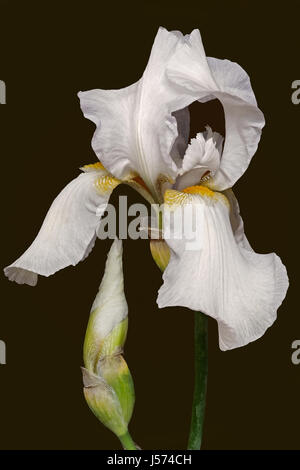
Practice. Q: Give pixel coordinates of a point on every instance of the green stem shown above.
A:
(201, 366)
(127, 442)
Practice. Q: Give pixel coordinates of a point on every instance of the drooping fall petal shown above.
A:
(69, 230)
(241, 289)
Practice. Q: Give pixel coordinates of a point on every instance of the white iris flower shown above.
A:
(141, 139)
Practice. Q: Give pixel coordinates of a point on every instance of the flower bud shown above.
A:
(104, 403)
(115, 372)
(160, 253)
(107, 327)
(108, 385)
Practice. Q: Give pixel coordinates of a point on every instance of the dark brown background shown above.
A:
(50, 51)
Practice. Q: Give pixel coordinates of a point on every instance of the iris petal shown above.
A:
(202, 156)
(208, 78)
(241, 289)
(69, 230)
(136, 128)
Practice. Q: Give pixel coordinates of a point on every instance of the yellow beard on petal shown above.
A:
(106, 183)
(202, 190)
(93, 167)
(175, 198)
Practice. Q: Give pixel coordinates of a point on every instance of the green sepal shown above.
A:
(94, 351)
(115, 372)
(104, 403)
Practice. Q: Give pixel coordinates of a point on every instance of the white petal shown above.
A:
(236, 220)
(69, 230)
(136, 129)
(242, 290)
(178, 150)
(202, 156)
(212, 78)
(188, 68)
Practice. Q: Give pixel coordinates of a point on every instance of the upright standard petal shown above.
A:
(242, 290)
(208, 78)
(202, 158)
(180, 145)
(136, 128)
(69, 229)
